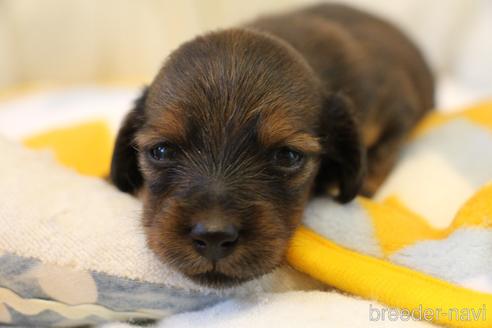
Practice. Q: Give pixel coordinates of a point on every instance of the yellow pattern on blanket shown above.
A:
(85, 147)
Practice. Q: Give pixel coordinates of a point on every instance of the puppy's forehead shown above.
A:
(271, 122)
(229, 79)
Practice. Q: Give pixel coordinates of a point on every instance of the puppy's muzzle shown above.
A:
(213, 241)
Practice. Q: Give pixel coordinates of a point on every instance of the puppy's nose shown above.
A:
(214, 244)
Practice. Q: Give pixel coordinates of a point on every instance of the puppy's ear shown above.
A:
(343, 163)
(125, 173)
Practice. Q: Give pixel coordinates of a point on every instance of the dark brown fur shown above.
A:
(337, 85)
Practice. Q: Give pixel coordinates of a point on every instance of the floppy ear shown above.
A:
(343, 163)
(125, 173)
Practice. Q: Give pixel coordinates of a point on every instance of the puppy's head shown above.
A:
(226, 146)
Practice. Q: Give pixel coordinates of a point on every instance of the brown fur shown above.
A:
(338, 86)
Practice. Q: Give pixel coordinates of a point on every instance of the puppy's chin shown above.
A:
(248, 263)
(219, 280)
(227, 272)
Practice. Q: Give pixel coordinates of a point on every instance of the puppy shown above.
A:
(241, 127)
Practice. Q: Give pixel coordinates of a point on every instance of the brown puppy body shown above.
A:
(242, 126)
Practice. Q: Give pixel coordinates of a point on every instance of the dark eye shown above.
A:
(288, 158)
(162, 152)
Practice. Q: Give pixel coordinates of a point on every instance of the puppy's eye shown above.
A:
(162, 152)
(288, 158)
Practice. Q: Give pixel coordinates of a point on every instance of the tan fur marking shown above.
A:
(276, 128)
(169, 126)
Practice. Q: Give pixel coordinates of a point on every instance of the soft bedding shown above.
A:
(72, 252)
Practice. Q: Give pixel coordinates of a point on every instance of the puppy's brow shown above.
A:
(304, 142)
(275, 129)
(169, 125)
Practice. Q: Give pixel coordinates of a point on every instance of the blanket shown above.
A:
(422, 245)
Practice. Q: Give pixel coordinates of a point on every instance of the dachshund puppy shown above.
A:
(241, 127)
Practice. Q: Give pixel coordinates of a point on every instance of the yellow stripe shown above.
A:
(383, 281)
(85, 147)
(477, 212)
(479, 113)
(396, 226)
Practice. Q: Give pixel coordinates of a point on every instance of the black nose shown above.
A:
(214, 244)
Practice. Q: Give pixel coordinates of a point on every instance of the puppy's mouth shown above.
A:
(217, 279)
